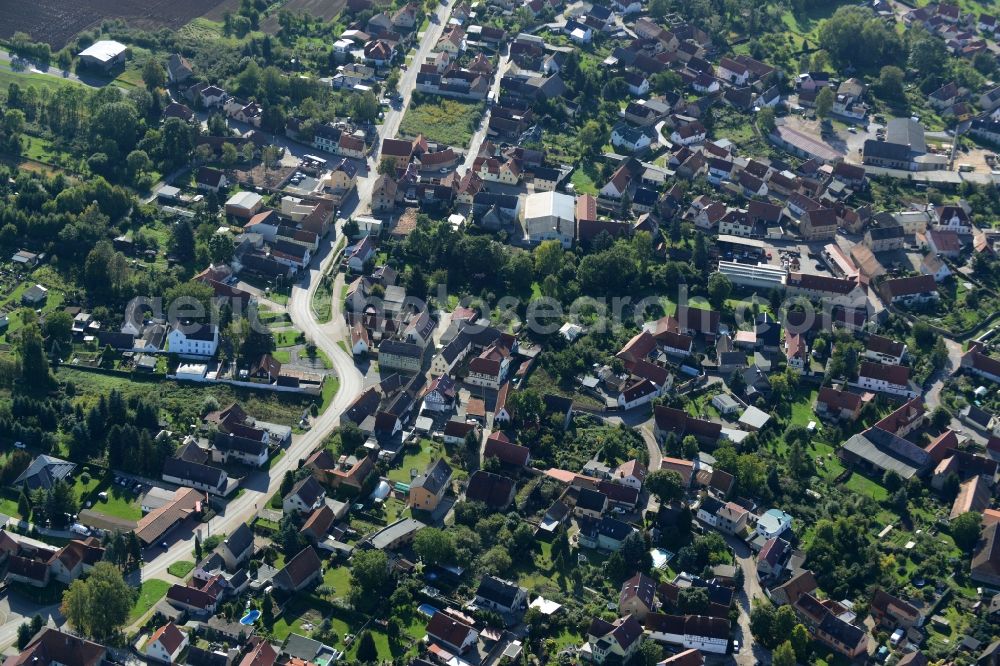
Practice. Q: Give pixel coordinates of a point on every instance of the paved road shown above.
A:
(35, 68)
(262, 485)
(750, 653)
(933, 395)
(480, 136)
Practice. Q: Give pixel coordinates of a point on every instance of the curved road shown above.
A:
(260, 486)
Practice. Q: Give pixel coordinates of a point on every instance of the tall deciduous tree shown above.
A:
(99, 605)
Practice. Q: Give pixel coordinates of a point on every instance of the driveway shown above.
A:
(750, 653)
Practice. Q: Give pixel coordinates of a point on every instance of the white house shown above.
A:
(305, 497)
(197, 340)
(733, 72)
(894, 379)
(637, 394)
(166, 644)
(689, 134)
(698, 632)
(634, 139)
(773, 523)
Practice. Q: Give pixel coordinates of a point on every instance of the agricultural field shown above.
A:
(321, 9)
(56, 22)
(441, 120)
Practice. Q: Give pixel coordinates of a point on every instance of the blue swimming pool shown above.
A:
(250, 618)
(427, 609)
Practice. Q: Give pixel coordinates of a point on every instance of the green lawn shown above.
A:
(416, 459)
(802, 408)
(441, 120)
(287, 338)
(338, 579)
(152, 591)
(583, 179)
(121, 503)
(282, 356)
(865, 486)
(183, 402)
(8, 76)
(330, 388)
(180, 569)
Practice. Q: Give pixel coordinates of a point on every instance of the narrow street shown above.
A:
(260, 487)
(750, 654)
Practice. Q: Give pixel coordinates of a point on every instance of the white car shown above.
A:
(736, 646)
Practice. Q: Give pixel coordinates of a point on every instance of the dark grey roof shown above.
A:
(434, 478)
(301, 647)
(500, 592)
(44, 471)
(231, 442)
(591, 500)
(308, 490)
(886, 233)
(194, 472)
(240, 539)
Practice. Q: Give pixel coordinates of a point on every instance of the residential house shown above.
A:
(613, 641)
(910, 290)
(166, 644)
(894, 379)
(884, 350)
(306, 496)
(451, 633)
(637, 596)
(500, 595)
(303, 570)
(428, 489)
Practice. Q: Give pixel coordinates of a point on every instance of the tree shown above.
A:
(824, 102)
(719, 289)
(666, 484)
(267, 611)
(369, 579)
(287, 481)
(34, 365)
(784, 655)
(197, 547)
(367, 652)
(496, 561)
(890, 83)
(23, 635)
(24, 505)
(649, 654)
(99, 605)
(800, 643)
(592, 136)
(693, 600)
(58, 326)
(762, 623)
(965, 530)
(229, 155)
(220, 248)
(434, 546)
(765, 120)
(182, 243)
(387, 167)
(153, 74)
(548, 258)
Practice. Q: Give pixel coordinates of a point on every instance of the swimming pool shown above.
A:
(250, 618)
(660, 557)
(427, 609)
